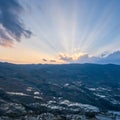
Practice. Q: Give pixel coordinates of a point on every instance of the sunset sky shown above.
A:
(58, 31)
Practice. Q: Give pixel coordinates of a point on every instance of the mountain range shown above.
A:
(59, 89)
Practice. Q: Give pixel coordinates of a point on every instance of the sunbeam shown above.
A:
(70, 27)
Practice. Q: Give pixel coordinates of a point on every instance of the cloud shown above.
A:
(53, 61)
(65, 57)
(86, 59)
(69, 57)
(112, 58)
(49, 60)
(45, 60)
(11, 27)
(4, 39)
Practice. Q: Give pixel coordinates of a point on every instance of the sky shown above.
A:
(60, 31)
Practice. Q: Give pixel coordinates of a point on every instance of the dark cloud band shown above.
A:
(11, 28)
